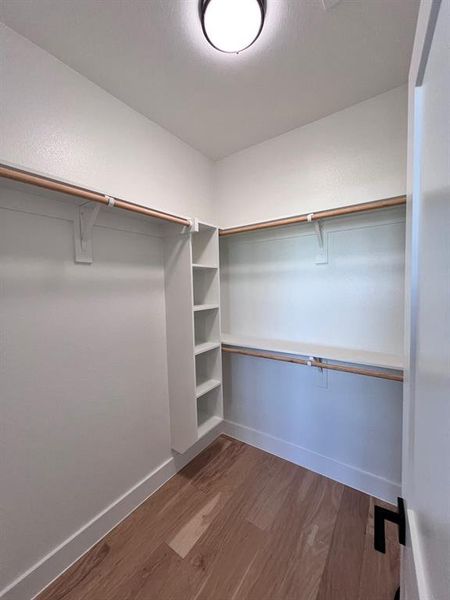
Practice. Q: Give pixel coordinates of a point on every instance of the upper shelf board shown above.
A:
(315, 216)
(199, 266)
(206, 386)
(205, 226)
(68, 189)
(198, 307)
(205, 347)
(347, 355)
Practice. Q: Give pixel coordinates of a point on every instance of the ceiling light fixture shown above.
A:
(232, 25)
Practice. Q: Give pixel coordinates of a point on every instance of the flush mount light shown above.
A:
(232, 25)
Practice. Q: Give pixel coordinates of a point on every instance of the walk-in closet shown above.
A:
(224, 300)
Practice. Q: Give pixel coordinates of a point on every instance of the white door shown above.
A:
(426, 448)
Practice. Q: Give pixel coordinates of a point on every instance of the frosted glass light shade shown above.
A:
(232, 25)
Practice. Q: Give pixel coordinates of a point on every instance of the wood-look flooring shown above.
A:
(239, 524)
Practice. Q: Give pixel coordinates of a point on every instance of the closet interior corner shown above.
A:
(223, 343)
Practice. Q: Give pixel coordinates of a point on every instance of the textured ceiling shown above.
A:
(151, 54)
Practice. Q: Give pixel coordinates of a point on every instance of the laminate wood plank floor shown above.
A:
(239, 524)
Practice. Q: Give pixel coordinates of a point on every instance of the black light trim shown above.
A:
(202, 9)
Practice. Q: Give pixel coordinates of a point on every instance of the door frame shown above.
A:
(413, 579)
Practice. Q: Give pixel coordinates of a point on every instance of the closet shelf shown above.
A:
(206, 386)
(86, 194)
(205, 347)
(198, 307)
(206, 422)
(347, 355)
(200, 266)
(322, 214)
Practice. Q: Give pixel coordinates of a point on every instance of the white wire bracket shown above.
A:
(194, 228)
(83, 225)
(322, 241)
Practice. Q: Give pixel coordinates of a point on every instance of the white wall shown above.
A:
(271, 286)
(346, 426)
(355, 155)
(84, 418)
(83, 373)
(349, 428)
(56, 122)
(85, 415)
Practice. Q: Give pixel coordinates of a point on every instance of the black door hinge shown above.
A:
(382, 515)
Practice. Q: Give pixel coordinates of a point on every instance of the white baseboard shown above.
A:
(417, 569)
(352, 476)
(51, 566)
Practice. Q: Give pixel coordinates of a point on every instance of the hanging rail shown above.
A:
(73, 190)
(316, 363)
(322, 214)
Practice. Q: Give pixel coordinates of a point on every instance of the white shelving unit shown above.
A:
(206, 309)
(347, 307)
(333, 353)
(193, 334)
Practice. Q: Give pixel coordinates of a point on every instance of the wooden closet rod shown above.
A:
(321, 214)
(73, 190)
(316, 363)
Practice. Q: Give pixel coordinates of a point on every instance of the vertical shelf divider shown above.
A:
(194, 356)
(206, 308)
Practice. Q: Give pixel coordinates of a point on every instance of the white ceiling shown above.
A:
(151, 54)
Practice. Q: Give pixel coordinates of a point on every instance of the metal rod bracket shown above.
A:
(194, 227)
(83, 225)
(322, 242)
(321, 373)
